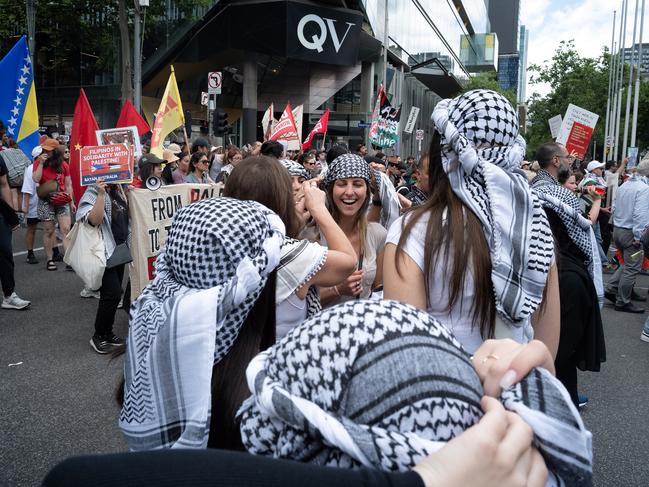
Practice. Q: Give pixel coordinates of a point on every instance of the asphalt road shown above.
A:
(58, 400)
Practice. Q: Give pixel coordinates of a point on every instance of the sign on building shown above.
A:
(412, 118)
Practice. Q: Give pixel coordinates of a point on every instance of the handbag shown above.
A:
(86, 253)
(121, 255)
(59, 198)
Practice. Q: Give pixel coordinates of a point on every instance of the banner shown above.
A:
(285, 129)
(129, 117)
(298, 115)
(151, 213)
(412, 118)
(384, 130)
(555, 125)
(581, 136)
(320, 128)
(113, 163)
(125, 135)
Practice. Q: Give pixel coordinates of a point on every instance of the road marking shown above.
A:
(16, 254)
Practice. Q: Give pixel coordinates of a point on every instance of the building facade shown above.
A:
(633, 52)
(522, 67)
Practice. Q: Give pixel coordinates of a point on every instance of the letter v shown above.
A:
(334, 34)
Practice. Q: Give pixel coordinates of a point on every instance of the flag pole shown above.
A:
(323, 140)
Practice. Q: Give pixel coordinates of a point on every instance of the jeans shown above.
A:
(109, 295)
(623, 280)
(6, 259)
(600, 244)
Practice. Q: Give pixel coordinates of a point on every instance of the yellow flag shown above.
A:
(170, 115)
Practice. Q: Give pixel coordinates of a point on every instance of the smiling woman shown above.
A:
(349, 195)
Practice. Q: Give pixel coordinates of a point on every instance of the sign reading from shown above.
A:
(322, 35)
(412, 118)
(587, 121)
(214, 83)
(111, 162)
(151, 213)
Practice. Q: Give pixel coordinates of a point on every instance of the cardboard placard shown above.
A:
(113, 163)
(575, 114)
(578, 140)
(122, 135)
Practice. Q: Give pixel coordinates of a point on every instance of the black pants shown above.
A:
(6, 259)
(110, 294)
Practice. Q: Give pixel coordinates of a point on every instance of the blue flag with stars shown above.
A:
(18, 110)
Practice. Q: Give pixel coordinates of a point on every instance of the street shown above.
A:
(58, 395)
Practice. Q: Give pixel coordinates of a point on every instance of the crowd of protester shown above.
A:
(353, 310)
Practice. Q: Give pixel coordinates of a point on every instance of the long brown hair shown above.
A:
(264, 180)
(452, 240)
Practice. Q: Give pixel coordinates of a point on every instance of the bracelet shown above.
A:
(335, 288)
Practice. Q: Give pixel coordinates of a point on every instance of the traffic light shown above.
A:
(220, 122)
(188, 123)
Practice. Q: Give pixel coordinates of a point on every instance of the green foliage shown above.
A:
(488, 81)
(582, 82)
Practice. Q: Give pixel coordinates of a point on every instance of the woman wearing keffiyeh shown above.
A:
(478, 254)
(209, 297)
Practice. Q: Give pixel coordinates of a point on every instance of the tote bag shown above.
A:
(85, 254)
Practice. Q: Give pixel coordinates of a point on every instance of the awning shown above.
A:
(434, 75)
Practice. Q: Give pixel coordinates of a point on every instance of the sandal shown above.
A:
(51, 265)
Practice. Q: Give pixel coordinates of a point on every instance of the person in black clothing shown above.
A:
(581, 339)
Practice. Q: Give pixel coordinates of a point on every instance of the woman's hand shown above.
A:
(592, 192)
(351, 286)
(314, 198)
(498, 451)
(502, 363)
(300, 208)
(100, 185)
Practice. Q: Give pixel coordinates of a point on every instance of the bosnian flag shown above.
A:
(320, 128)
(285, 129)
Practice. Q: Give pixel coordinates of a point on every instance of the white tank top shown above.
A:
(288, 314)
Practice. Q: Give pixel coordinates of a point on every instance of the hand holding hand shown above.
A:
(502, 363)
(498, 451)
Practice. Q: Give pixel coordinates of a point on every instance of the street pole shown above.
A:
(137, 58)
(31, 26)
(611, 129)
(630, 86)
(386, 42)
(621, 78)
(634, 125)
(610, 85)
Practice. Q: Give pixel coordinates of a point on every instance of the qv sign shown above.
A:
(322, 35)
(325, 26)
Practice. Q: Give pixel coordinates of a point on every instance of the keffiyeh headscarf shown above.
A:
(348, 166)
(580, 230)
(382, 384)
(216, 261)
(482, 152)
(295, 169)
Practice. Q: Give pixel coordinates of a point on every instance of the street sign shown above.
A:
(363, 125)
(204, 98)
(419, 135)
(412, 118)
(214, 82)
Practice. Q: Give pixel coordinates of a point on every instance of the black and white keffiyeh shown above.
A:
(580, 230)
(482, 152)
(216, 261)
(382, 384)
(347, 166)
(295, 169)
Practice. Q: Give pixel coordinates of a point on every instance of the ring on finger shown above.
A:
(492, 356)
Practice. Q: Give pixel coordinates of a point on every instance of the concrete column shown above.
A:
(249, 118)
(367, 87)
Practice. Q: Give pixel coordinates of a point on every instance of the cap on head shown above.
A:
(49, 144)
(150, 159)
(37, 151)
(592, 165)
(169, 155)
(201, 142)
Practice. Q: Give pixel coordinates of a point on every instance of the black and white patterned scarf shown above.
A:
(382, 384)
(580, 230)
(482, 152)
(347, 166)
(213, 268)
(295, 169)
(542, 178)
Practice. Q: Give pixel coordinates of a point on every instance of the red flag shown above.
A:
(130, 117)
(84, 126)
(320, 128)
(285, 129)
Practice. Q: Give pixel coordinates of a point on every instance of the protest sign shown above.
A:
(555, 125)
(113, 163)
(384, 129)
(151, 213)
(412, 118)
(123, 135)
(632, 154)
(578, 139)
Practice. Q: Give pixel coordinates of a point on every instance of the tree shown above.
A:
(488, 81)
(583, 82)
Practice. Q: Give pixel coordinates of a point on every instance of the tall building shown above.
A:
(522, 69)
(504, 19)
(509, 71)
(324, 54)
(629, 51)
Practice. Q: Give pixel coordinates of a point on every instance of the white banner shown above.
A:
(555, 125)
(579, 115)
(412, 119)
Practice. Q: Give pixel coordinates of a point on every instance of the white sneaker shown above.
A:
(89, 293)
(14, 302)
